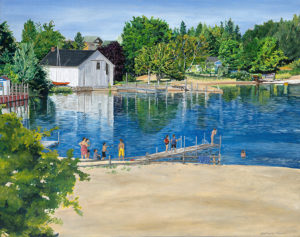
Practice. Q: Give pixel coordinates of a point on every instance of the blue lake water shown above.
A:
(264, 121)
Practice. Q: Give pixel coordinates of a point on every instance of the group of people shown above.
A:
(85, 151)
(85, 144)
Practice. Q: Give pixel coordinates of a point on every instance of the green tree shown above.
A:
(46, 38)
(29, 32)
(25, 62)
(199, 29)
(182, 28)
(249, 51)
(288, 36)
(34, 183)
(142, 32)
(142, 63)
(79, 41)
(7, 44)
(229, 54)
(160, 60)
(26, 66)
(191, 31)
(189, 50)
(269, 56)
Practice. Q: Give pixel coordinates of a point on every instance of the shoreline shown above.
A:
(185, 200)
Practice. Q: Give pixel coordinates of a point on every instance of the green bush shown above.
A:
(61, 90)
(295, 64)
(130, 77)
(240, 75)
(282, 76)
(34, 183)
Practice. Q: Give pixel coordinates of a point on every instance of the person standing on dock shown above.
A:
(121, 149)
(88, 144)
(167, 141)
(104, 149)
(213, 133)
(83, 148)
(173, 143)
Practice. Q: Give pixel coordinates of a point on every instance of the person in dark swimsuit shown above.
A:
(167, 141)
(104, 149)
(88, 144)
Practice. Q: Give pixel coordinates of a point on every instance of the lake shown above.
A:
(263, 120)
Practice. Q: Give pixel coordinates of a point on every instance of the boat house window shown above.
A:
(107, 69)
(98, 66)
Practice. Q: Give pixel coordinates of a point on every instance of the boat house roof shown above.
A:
(68, 58)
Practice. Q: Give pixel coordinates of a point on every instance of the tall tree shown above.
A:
(29, 32)
(199, 29)
(7, 44)
(114, 52)
(182, 28)
(26, 66)
(47, 37)
(33, 183)
(191, 31)
(142, 32)
(189, 50)
(268, 57)
(79, 41)
(229, 54)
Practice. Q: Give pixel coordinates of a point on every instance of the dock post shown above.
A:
(109, 160)
(196, 147)
(155, 88)
(192, 87)
(185, 84)
(126, 78)
(181, 141)
(197, 87)
(148, 76)
(167, 87)
(58, 137)
(183, 158)
(156, 150)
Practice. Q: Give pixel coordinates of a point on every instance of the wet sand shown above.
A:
(186, 200)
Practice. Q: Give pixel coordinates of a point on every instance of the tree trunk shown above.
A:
(158, 77)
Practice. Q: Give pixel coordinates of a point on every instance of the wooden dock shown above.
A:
(15, 92)
(149, 157)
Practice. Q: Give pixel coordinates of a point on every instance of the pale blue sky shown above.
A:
(106, 18)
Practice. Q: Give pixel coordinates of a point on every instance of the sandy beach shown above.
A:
(185, 200)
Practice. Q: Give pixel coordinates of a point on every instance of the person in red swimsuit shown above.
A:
(83, 149)
(167, 141)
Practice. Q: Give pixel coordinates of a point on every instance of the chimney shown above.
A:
(52, 49)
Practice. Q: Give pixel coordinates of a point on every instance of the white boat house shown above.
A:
(79, 68)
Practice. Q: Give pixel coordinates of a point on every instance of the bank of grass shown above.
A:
(282, 76)
(61, 90)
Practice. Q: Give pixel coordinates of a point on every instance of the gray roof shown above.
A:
(107, 42)
(68, 58)
(92, 39)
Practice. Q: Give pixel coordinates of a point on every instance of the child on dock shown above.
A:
(96, 156)
(213, 133)
(121, 149)
(88, 144)
(167, 141)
